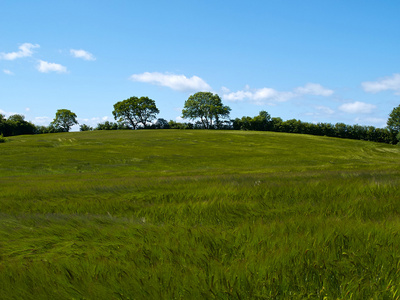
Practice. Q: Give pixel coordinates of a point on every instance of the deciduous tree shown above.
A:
(135, 111)
(207, 107)
(64, 120)
(393, 122)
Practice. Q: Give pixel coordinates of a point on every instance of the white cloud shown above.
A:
(314, 89)
(357, 107)
(384, 84)
(8, 72)
(258, 96)
(321, 111)
(25, 50)
(27, 109)
(7, 113)
(269, 96)
(377, 122)
(175, 82)
(325, 110)
(225, 90)
(94, 121)
(42, 120)
(46, 67)
(82, 54)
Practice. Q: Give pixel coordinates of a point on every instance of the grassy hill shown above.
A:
(164, 214)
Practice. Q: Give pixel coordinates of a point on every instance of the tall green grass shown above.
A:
(198, 215)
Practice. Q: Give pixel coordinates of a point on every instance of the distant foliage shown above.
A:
(47, 129)
(261, 122)
(107, 125)
(368, 133)
(85, 127)
(162, 124)
(15, 125)
(206, 107)
(177, 125)
(135, 112)
(393, 122)
(64, 120)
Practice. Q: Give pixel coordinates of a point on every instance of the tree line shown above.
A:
(205, 110)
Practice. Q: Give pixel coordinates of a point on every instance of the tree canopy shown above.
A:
(135, 111)
(261, 122)
(393, 122)
(15, 125)
(207, 107)
(64, 120)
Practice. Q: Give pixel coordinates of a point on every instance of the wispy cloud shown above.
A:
(82, 54)
(93, 121)
(7, 113)
(321, 111)
(314, 89)
(42, 120)
(378, 122)
(46, 67)
(357, 107)
(269, 95)
(258, 96)
(325, 110)
(25, 50)
(175, 82)
(8, 72)
(384, 84)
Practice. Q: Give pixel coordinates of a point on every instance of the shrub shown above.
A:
(85, 127)
(2, 139)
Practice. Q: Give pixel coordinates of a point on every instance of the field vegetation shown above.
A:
(198, 214)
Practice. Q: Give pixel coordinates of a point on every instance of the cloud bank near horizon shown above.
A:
(270, 96)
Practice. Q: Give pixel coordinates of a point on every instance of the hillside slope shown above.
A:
(198, 214)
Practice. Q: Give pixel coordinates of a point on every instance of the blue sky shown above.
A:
(317, 61)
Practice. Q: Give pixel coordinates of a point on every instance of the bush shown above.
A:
(111, 126)
(85, 127)
(177, 125)
(2, 139)
(162, 124)
(47, 129)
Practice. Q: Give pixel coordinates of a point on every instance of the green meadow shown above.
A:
(198, 214)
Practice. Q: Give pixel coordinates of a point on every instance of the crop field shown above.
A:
(197, 214)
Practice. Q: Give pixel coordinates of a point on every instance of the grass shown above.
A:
(165, 214)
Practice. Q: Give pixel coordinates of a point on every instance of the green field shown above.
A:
(197, 214)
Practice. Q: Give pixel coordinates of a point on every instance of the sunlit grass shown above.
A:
(198, 214)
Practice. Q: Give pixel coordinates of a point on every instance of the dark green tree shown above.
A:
(135, 111)
(16, 125)
(162, 124)
(262, 122)
(3, 124)
(107, 125)
(64, 120)
(393, 123)
(85, 127)
(207, 107)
